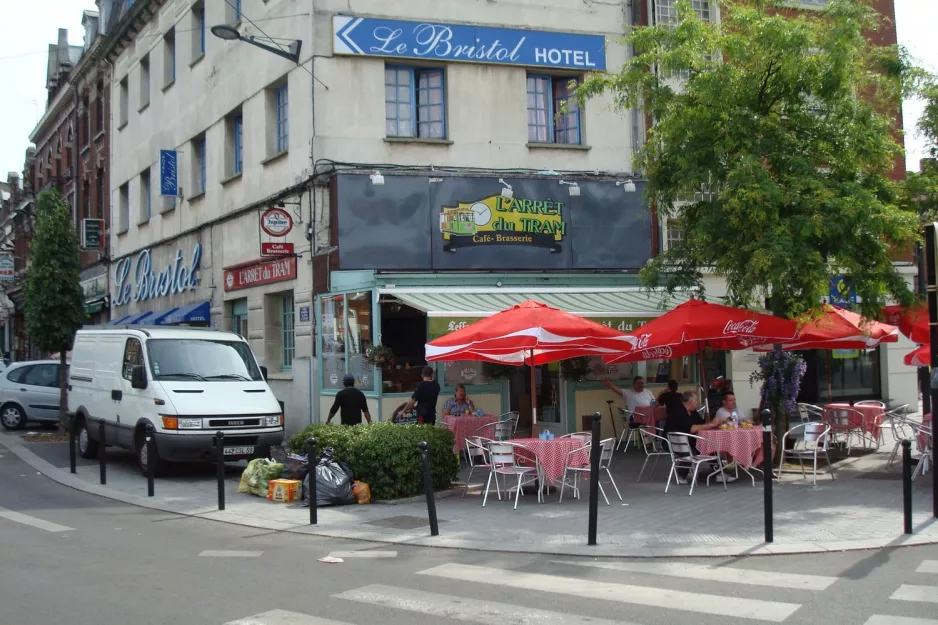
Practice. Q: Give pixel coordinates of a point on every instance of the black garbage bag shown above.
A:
(333, 484)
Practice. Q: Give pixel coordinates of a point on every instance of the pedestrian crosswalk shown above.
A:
(581, 597)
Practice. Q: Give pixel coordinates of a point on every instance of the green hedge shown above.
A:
(385, 455)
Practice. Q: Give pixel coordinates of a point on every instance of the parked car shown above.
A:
(29, 391)
(187, 383)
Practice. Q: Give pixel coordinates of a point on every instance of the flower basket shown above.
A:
(378, 355)
(780, 374)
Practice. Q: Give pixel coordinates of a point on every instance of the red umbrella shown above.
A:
(912, 322)
(694, 325)
(529, 333)
(921, 357)
(838, 328)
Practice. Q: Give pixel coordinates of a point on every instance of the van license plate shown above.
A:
(239, 451)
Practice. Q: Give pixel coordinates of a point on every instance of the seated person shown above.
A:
(458, 404)
(728, 409)
(670, 397)
(683, 418)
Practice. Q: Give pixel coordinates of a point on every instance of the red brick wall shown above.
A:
(93, 175)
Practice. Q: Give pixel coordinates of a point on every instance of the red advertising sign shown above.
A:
(276, 249)
(258, 273)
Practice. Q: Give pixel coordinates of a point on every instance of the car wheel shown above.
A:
(143, 456)
(87, 447)
(12, 417)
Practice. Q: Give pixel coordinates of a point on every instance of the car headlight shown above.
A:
(190, 424)
(273, 421)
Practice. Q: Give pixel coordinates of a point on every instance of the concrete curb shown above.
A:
(580, 548)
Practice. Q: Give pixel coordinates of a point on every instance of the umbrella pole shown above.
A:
(703, 383)
(533, 399)
(830, 396)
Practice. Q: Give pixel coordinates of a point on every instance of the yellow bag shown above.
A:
(362, 492)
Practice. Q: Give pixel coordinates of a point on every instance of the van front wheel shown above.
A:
(143, 455)
(87, 447)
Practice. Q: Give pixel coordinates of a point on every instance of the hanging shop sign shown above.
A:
(497, 220)
(92, 234)
(169, 173)
(136, 280)
(269, 248)
(259, 273)
(843, 292)
(7, 266)
(94, 288)
(276, 222)
(463, 42)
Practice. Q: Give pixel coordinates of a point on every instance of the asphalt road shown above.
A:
(69, 557)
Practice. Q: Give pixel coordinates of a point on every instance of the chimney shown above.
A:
(62, 47)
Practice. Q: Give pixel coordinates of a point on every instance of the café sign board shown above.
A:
(259, 273)
(136, 279)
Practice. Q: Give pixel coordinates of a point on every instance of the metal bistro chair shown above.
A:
(503, 458)
(629, 427)
(605, 460)
(814, 438)
(502, 430)
(655, 447)
(923, 435)
(847, 422)
(810, 412)
(683, 455)
(889, 418)
(512, 418)
(901, 429)
(478, 456)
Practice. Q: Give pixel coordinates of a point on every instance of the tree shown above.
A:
(771, 149)
(55, 306)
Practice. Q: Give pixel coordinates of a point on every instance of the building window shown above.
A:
(666, 10)
(144, 82)
(99, 118)
(169, 58)
(85, 200)
(675, 234)
(124, 204)
(235, 159)
(124, 101)
(288, 333)
(281, 107)
(414, 102)
(553, 112)
(199, 162)
(346, 335)
(99, 181)
(239, 317)
(198, 31)
(145, 207)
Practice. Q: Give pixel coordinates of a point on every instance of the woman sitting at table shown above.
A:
(458, 404)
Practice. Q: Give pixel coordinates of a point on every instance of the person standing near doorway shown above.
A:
(424, 398)
(351, 402)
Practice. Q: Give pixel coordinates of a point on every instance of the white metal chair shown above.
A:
(502, 430)
(605, 460)
(814, 438)
(586, 437)
(923, 434)
(512, 418)
(889, 419)
(870, 402)
(901, 429)
(846, 422)
(478, 459)
(810, 412)
(503, 458)
(629, 427)
(684, 456)
(655, 447)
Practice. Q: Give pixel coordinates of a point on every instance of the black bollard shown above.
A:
(102, 458)
(428, 487)
(907, 485)
(72, 460)
(151, 460)
(311, 479)
(595, 452)
(767, 472)
(220, 466)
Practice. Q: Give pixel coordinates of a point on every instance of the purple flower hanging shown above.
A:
(780, 374)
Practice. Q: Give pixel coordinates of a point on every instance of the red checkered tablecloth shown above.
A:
(651, 414)
(872, 417)
(742, 445)
(553, 454)
(467, 426)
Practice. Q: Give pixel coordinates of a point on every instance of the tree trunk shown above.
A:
(63, 392)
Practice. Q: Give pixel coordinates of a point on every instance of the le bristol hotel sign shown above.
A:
(365, 36)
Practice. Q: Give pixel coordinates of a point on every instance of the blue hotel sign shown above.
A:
(169, 173)
(471, 44)
(135, 279)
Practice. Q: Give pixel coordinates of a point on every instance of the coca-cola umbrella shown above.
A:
(921, 357)
(912, 322)
(529, 333)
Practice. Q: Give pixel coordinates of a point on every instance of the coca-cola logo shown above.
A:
(747, 326)
(641, 342)
(747, 341)
(657, 353)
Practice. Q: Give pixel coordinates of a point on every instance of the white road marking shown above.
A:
(717, 574)
(928, 566)
(363, 554)
(32, 521)
(282, 617)
(910, 592)
(881, 619)
(700, 603)
(464, 609)
(231, 554)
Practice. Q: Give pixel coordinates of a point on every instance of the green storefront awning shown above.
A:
(93, 307)
(623, 309)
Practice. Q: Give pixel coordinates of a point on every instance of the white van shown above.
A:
(188, 383)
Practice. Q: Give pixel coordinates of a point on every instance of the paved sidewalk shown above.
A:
(862, 509)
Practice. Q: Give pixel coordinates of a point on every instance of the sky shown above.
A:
(25, 33)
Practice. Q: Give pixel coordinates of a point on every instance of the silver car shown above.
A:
(29, 391)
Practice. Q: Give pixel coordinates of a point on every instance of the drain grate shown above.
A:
(402, 522)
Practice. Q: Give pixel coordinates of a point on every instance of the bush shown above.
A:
(385, 455)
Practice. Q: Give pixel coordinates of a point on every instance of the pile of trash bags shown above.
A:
(335, 481)
(259, 472)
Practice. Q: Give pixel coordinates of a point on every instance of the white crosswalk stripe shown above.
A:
(701, 603)
(730, 575)
(282, 617)
(911, 592)
(32, 521)
(881, 619)
(230, 554)
(463, 609)
(365, 554)
(927, 566)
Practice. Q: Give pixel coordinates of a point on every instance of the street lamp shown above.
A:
(230, 33)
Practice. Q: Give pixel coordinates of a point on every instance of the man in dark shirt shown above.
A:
(424, 397)
(683, 418)
(351, 402)
(670, 398)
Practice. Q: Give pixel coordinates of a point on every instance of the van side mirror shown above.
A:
(264, 373)
(138, 377)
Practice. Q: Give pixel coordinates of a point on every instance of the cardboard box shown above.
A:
(284, 491)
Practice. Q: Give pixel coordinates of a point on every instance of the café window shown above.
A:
(347, 333)
(853, 373)
(404, 332)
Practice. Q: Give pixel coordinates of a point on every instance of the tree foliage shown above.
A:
(771, 148)
(55, 306)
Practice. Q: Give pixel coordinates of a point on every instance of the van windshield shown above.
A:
(203, 360)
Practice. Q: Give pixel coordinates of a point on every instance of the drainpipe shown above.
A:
(924, 380)
(313, 356)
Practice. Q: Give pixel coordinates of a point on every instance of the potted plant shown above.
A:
(378, 355)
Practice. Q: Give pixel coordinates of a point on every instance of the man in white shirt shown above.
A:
(725, 413)
(634, 397)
